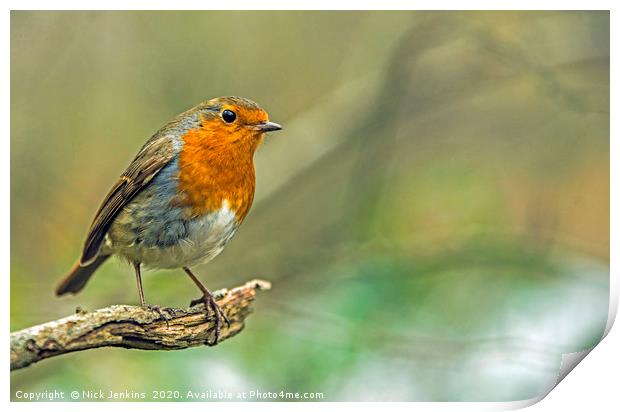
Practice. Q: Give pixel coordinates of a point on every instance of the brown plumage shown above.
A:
(183, 196)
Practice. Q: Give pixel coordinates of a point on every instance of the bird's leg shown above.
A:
(136, 266)
(209, 301)
(154, 308)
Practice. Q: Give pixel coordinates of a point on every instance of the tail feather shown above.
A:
(79, 275)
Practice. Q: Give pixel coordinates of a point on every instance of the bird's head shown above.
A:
(233, 123)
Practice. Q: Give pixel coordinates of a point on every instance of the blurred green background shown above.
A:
(434, 217)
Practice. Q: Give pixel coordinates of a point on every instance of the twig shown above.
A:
(133, 327)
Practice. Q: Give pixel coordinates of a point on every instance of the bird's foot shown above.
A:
(164, 313)
(218, 314)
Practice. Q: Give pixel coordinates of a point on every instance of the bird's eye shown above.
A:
(229, 116)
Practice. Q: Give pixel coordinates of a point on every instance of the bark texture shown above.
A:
(134, 327)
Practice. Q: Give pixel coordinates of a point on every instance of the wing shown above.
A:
(153, 156)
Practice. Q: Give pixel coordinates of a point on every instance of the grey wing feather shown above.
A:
(153, 156)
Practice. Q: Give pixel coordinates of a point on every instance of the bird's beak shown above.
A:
(266, 127)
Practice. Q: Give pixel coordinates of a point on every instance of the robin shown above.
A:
(181, 199)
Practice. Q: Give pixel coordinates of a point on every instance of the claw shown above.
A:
(218, 315)
(160, 312)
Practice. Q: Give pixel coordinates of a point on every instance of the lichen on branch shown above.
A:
(134, 327)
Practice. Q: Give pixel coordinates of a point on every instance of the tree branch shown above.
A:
(134, 327)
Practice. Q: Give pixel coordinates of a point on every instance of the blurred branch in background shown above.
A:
(133, 327)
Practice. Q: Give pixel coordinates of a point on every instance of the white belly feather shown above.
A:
(207, 236)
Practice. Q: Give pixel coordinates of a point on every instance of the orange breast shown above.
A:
(211, 171)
